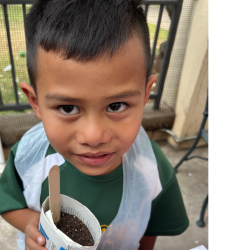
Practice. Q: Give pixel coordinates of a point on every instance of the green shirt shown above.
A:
(102, 194)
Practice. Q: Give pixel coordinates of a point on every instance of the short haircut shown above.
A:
(84, 29)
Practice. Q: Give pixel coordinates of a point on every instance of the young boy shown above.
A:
(89, 64)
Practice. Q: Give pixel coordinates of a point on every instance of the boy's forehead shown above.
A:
(130, 52)
(128, 61)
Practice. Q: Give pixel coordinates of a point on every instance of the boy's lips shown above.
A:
(96, 159)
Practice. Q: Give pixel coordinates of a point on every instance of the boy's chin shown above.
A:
(97, 170)
(94, 171)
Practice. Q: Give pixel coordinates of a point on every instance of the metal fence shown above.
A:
(16, 101)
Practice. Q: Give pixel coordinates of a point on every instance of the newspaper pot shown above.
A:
(68, 205)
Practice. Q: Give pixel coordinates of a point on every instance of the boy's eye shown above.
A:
(116, 107)
(69, 109)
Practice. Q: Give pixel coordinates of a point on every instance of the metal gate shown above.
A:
(12, 18)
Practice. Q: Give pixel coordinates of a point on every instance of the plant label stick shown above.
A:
(54, 193)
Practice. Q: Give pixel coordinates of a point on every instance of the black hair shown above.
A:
(84, 29)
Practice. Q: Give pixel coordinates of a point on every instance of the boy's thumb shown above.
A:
(41, 241)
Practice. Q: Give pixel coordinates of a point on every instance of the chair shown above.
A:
(204, 134)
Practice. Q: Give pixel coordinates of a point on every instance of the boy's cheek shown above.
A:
(127, 134)
(57, 135)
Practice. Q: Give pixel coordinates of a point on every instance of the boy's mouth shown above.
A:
(91, 159)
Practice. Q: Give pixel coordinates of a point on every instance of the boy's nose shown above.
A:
(93, 133)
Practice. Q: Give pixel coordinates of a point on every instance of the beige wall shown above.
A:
(172, 80)
(191, 96)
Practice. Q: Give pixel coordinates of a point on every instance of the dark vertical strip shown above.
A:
(1, 100)
(24, 13)
(10, 51)
(24, 17)
(156, 34)
(167, 52)
(146, 10)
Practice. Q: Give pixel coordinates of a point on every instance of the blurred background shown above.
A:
(179, 46)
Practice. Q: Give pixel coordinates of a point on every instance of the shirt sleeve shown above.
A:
(168, 214)
(11, 186)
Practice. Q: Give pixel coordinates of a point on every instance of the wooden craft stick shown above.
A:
(54, 193)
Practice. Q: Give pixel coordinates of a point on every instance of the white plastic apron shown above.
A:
(141, 185)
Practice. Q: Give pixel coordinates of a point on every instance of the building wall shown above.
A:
(193, 83)
(169, 95)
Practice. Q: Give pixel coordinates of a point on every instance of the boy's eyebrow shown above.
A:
(61, 98)
(125, 94)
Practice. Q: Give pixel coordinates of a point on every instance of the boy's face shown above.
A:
(91, 111)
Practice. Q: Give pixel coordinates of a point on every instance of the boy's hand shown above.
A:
(34, 240)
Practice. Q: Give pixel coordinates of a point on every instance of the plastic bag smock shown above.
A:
(141, 184)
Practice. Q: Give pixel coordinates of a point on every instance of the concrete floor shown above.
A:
(193, 181)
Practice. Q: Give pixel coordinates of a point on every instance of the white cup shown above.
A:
(68, 205)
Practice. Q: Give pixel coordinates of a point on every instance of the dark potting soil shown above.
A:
(75, 229)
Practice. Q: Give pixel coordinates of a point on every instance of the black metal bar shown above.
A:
(152, 2)
(24, 17)
(17, 1)
(19, 107)
(194, 145)
(156, 34)
(157, 2)
(1, 100)
(24, 12)
(10, 51)
(184, 158)
(146, 10)
(152, 96)
(167, 53)
(197, 156)
(201, 222)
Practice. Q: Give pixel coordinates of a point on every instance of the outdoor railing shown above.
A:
(176, 6)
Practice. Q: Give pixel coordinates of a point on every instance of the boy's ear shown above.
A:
(31, 95)
(150, 82)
